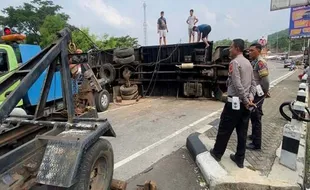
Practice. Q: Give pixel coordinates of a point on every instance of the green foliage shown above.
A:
(283, 42)
(49, 28)
(227, 42)
(224, 42)
(102, 42)
(29, 17)
(40, 20)
(80, 39)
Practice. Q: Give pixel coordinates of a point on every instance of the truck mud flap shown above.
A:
(63, 153)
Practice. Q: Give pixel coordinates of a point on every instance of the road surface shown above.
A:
(151, 134)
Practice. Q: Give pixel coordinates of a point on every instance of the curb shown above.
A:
(194, 145)
(214, 172)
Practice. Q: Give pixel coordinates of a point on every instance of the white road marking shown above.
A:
(276, 81)
(126, 106)
(146, 149)
(204, 129)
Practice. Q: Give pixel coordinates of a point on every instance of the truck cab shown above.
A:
(14, 54)
(8, 63)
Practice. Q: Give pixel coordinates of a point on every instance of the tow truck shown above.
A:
(58, 150)
(13, 54)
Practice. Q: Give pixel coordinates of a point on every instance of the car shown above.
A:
(287, 62)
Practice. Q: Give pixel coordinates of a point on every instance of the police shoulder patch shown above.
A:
(230, 70)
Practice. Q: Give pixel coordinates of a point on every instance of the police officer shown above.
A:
(261, 73)
(236, 113)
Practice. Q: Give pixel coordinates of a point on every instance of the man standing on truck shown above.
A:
(162, 28)
(203, 31)
(261, 78)
(191, 21)
(236, 112)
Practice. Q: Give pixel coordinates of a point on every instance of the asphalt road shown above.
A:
(276, 70)
(151, 134)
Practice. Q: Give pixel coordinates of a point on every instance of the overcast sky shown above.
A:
(248, 19)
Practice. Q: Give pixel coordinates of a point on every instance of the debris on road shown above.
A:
(118, 185)
(148, 185)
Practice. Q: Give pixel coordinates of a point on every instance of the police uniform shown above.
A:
(261, 73)
(240, 84)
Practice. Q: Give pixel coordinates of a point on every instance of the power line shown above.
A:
(145, 24)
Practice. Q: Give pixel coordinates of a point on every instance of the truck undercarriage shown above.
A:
(188, 70)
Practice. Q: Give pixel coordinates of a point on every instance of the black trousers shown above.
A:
(256, 120)
(231, 119)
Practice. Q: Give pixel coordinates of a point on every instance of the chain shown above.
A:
(75, 93)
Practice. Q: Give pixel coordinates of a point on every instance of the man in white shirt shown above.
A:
(191, 21)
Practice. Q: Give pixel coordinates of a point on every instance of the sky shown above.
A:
(247, 19)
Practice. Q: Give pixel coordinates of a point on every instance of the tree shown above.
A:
(281, 40)
(224, 42)
(84, 40)
(227, 42)
(49, 29)
(29, 17)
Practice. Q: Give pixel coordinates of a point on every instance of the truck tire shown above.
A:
(124, 61)
(107, 71)
(282, 112)
(99, 162)
(128, 91)
(130, 97)
(123, 52)
(102, 100)
(207, 92)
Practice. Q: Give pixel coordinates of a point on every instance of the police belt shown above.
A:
(229, 99)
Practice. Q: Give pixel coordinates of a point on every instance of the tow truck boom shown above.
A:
(38, 150)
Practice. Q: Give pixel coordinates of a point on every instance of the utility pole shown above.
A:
(145, 24)
(289, 47)
(277, 42)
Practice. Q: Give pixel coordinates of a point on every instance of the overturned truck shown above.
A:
(188, 70)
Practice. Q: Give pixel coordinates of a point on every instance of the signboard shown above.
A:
(300, 22)
(284, 4)
(263, 41)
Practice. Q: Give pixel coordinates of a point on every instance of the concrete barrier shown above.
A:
(292, 131)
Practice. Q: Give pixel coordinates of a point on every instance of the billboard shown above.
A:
(263, 41)
(284, 4)
(300, 22)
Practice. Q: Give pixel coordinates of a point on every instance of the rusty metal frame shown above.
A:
(16, 161)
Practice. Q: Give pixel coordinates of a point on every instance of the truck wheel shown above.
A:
(96, 169)
(128, 90)
(126, 60)
(123, 52)
(102, 100)
(107, 71)
(130, 97)
(207, 92)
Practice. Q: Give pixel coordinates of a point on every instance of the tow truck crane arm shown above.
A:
(74, 135)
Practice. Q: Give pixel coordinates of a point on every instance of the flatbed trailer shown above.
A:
(60, 150)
